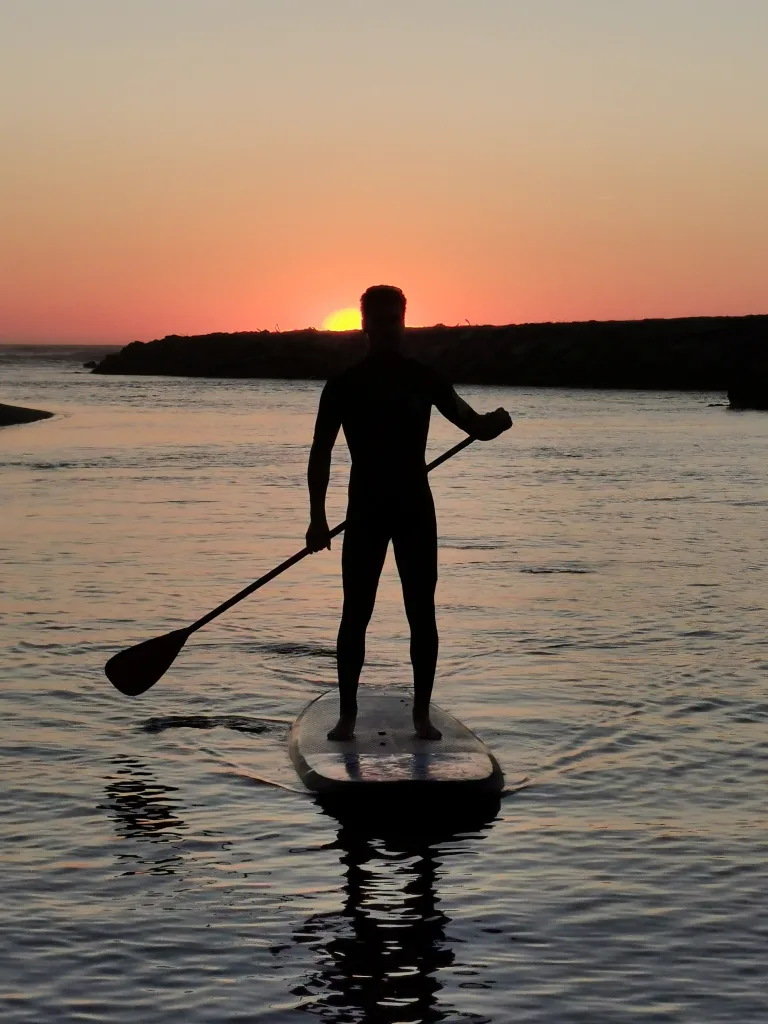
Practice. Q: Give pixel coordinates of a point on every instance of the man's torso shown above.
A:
(384, 408)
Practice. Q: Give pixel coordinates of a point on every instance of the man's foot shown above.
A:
(425, 730)
(344, 728)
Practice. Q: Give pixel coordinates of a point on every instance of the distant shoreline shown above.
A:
(10, 415)
(64, 351)
(687, 354)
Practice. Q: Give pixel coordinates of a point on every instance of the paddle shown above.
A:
(137, 668)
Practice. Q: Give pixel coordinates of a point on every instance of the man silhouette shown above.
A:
(384, 404)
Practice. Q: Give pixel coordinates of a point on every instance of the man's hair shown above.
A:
(381, 293)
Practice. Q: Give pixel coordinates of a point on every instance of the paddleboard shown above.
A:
(385, 757)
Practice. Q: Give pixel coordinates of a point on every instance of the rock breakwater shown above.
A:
(693, 353)
(13, 414)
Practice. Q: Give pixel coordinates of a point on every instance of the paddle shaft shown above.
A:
(247, 591)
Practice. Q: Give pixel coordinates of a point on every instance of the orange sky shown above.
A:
(188, 167)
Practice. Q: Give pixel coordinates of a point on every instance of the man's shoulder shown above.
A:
(345, 378)
(429, 377)
(416, 366)
(366, 369)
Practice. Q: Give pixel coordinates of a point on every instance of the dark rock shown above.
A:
(90, 365)
(748, 398)
(748, 386)
(749, 392)
(12, 414)
(693, 353)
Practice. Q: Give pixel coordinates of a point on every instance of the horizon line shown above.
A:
(39, 343)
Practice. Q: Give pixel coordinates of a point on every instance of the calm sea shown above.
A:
(603, 599)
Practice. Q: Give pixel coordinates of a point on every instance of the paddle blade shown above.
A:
(135, 669)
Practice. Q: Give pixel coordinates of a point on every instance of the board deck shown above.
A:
(385, 755)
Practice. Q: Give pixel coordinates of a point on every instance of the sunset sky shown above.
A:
(184, 166)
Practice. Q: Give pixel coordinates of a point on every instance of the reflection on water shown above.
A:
(379, 957)
(626, 884)
(237, 722)
(143, 810)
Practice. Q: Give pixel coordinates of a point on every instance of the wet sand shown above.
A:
(12, 414)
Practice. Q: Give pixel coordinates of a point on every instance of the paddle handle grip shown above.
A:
(263, 580)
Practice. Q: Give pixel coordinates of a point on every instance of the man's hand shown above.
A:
(318, 536)
(492, 424)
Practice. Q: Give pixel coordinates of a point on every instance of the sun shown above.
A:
(343, 320)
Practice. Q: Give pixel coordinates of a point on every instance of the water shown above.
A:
(602, 611)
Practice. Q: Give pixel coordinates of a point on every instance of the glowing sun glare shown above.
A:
(343, 320)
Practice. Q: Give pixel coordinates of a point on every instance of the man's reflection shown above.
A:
(380, 955)
(142, 809)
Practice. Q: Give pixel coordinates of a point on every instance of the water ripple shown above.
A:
(602, 607)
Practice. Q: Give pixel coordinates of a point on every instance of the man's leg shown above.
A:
(415, 544)
(362, 558)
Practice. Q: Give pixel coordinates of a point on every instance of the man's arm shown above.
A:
(483, 426)
(319, 469)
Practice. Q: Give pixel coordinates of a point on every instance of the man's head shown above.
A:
(383, 310)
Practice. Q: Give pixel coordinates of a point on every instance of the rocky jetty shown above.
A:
(693, 353)
(749, 392)
(12, 414)
(748, 384)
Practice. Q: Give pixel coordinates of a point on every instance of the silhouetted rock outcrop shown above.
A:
(694, 353)
(748, 383)
(749, 395)
(12, 414)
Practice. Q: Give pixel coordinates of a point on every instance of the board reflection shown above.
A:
(379, 958)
